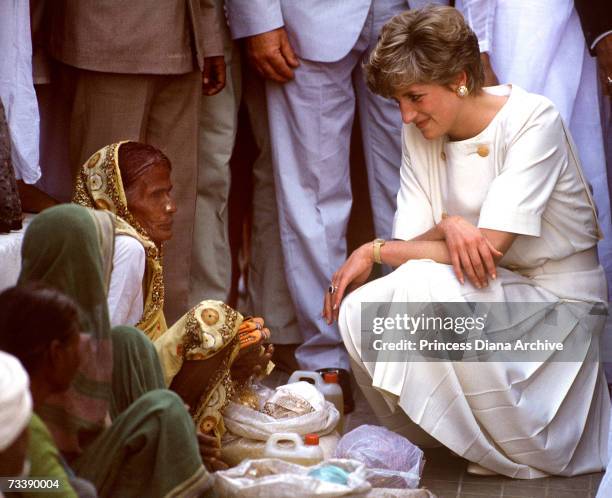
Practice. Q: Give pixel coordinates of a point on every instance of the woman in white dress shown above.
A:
(493, 207)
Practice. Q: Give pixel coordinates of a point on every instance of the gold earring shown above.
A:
(462, 91)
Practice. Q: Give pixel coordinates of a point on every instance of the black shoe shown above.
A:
(344, 378)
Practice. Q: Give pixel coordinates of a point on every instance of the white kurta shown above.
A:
(125, 294)
(17, 88)
(521, 419)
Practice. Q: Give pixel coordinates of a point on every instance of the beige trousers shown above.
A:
(211, 268)
(161, 110)
(268, 294)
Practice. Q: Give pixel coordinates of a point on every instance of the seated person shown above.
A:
(135, 175)
(40, 327)
(119, 375)
(15, 413)
(132, 181)
(492, 190)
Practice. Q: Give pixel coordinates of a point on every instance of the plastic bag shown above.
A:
(270, 477)
(251, 424)
(392, 461)
(236, 449)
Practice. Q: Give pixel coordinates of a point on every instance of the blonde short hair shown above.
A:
(429, 45)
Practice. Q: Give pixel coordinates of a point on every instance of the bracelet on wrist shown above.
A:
(376, 245)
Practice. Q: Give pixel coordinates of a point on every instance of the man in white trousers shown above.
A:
(310, 52)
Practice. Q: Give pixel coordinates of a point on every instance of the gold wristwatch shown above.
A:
(376, 245)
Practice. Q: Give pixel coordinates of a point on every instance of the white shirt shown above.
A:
(529, 182)
(125, 295)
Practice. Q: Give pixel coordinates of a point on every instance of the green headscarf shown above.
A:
(70, 248)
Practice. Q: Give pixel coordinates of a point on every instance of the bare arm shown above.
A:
(427, 246)
(473, 250)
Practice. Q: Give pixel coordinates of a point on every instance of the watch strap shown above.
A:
(376, 245)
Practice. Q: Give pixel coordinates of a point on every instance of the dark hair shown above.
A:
(31, 317)
(136, 158)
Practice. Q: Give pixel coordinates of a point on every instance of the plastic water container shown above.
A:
(328, 385)
(288, 446)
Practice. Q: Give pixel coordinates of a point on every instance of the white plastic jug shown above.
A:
(294, 450)
(328, 385)
(299, 375)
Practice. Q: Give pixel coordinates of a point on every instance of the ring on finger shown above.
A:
(332, 288)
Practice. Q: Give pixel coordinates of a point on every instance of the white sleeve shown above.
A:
(480, 15)
(252, 17)
(414, 214)
(535, 159)
(125, 296)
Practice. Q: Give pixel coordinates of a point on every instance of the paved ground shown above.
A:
(445, 474)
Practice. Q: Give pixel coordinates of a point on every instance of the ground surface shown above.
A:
(445, 474)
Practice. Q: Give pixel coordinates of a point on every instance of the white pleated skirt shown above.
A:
(520, 419)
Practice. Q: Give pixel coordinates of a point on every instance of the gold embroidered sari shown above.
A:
(208, 330)
(99, 186)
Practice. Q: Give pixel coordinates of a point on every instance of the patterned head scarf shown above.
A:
(70, 249)
(208, 329)
(15, 400)
(99, 186)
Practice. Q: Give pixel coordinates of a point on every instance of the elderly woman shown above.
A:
(131, 180)
(492, 190)
(143, 182)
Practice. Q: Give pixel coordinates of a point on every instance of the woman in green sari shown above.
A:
(116, 425)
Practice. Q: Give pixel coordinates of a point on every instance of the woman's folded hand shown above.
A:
(352, 274)
(470, 251)
(251, 361)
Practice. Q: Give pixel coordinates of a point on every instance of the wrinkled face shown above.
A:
(151, 203)
(432, 108)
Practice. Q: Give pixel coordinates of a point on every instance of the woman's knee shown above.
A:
(162, 399)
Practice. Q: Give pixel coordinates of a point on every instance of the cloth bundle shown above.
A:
(294, 400)
(297, 408)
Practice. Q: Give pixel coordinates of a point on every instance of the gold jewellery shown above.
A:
(462, 91)
(376, 245)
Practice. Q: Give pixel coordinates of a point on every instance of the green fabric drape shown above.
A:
(151, 448)
(145, 452)
(136, 368)
(62, 248)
